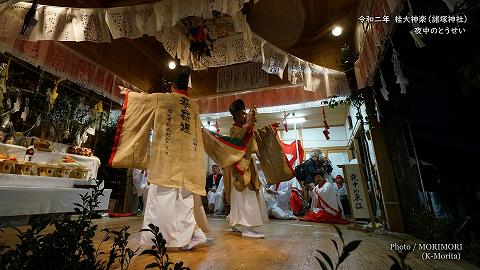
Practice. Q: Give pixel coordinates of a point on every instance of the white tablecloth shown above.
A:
(92, 163)
(16, 201)
(15, 180)
(31, 195)
(13, 150)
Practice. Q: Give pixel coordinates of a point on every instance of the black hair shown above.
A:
(182, 78)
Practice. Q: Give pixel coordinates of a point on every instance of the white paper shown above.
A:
(16, 105)
(91, 131)
(5, 121)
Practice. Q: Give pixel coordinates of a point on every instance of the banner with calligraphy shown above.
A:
(59, 60)
(163, 20)
(371, 35)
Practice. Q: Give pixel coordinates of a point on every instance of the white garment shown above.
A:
(328, 177)
(216, 198)
(140, 182)
(329, 196)
(171, 209)
(281, 208)
(247, 208)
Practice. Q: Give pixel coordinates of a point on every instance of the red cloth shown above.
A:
(131, 214)
(292, 150)
(295, 202)
(324, 217)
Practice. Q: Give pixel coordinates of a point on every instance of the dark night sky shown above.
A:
(443, 118)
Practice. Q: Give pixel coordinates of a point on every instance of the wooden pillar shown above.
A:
(407, 184)
(386, 177)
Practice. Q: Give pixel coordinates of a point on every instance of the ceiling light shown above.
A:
(296, 120)
(172, 65)
(337, 31)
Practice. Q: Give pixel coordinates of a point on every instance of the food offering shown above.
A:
(79, 173)
(64, 172)
(68, 159)
(25, 168)
(81, 151)
(47, 170)
(7, 163)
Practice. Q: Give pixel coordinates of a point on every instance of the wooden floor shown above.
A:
(288, 245)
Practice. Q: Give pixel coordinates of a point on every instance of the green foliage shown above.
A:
(356, 99)
(424, 225)
(346, 251)
(115, 178)
(470, 73)
(348, 58)
(69, 246)
(159, 251)
(119, 249)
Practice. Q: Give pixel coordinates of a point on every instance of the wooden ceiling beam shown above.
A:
(327, 28)
(152, 55)
(107, 63)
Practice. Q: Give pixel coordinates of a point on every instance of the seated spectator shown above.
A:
(326, 206)
(341, 190)
(281, 200)
(214, 188)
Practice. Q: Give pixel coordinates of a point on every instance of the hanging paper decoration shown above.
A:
(99, 106)
(397, 67)
(4, 76)
(26, 110)
(383, 90)
(3, 80)
(326, 133)
(218, 30)
(6, 121)
(29, 22)
(54, 94)
(16, 105)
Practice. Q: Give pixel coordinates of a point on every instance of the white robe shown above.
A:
(329, 196)
(216, 198)
(281, 207)
(171, 209)
(247, 208)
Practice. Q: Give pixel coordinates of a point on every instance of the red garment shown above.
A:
(324, 217)
(296, 202)
(292, 150)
